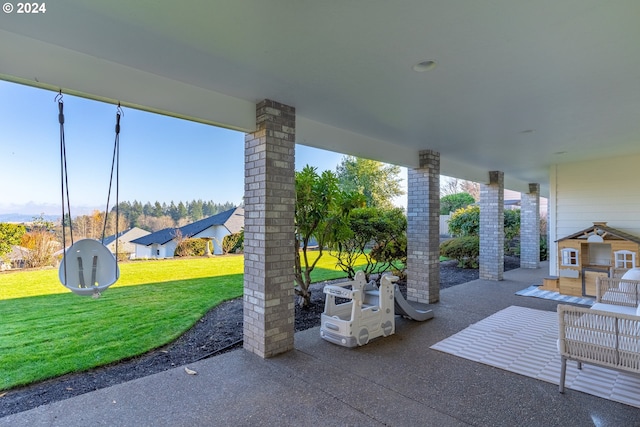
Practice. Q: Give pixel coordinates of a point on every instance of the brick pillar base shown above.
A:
(530, 228)
(423, 230)
(492, 227)
(269, 248)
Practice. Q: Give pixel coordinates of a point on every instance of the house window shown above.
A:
(569, 257)
(625, 259)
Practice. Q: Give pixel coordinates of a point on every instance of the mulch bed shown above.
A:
(219, 331)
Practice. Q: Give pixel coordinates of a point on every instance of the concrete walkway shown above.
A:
(395, 381)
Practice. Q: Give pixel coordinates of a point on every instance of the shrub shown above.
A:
(465, 250)
(190, 247)
(233, 243)
(511, 224)
(465, 221)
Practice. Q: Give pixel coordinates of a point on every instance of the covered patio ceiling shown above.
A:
(516, 86)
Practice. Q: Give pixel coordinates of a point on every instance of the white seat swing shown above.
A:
(88, 267)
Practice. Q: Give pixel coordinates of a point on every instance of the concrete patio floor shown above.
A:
(394, 381)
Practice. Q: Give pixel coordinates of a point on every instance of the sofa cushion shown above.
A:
(613, 308)
(632, 274)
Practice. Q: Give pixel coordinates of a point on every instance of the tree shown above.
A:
(195, 210)
(453, 202)
(449, 185)
(378, 182)
(40, 240)
(10, 234)
(320, 206)
(182, 211)
(472, 188)
(151, 223)
(173, 212)
(383, 230)
(158, 211)
(136, 211)
(147, 209)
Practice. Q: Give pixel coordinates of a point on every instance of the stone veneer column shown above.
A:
(423, 230)
(492, 227)
(269, 248)
(530, 228)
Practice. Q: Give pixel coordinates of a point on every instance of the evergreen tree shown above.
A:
(182, 211)
(195, 210)
(157, 210)
(173, 212)
(147, 209)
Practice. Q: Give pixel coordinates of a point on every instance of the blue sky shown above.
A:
(161, 158)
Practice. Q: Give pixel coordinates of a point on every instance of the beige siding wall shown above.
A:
(581, 193)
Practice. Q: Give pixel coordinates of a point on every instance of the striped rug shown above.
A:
(535, 291)
(523, 340)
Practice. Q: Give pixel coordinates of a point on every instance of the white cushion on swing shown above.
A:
(88, 267)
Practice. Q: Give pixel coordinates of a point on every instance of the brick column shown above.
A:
(269, 248)
(492, 227)
(530, 228)
(423, 230)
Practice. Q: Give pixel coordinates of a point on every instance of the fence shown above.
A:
(444, 225)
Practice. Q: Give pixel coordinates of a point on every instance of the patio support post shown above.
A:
(269, 248)
(492, 227)
(423, 230)
(530, 228)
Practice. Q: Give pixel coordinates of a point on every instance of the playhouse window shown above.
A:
(625, 259)
(569, 257)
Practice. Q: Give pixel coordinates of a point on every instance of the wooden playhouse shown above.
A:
(595, 251)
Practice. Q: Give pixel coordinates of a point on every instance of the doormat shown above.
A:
(536, 292)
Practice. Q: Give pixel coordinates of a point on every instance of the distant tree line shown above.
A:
(156, 216)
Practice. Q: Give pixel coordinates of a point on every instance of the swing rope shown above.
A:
(115, 161)
(64, 184)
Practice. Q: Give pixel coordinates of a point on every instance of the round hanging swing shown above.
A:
(88, 267)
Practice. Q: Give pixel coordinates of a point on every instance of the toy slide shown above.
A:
(353, 317)
(404, 309)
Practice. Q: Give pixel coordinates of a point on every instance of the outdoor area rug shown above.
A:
(523, 340)
(535, 291)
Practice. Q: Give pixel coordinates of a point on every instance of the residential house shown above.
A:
(163, 243)
(124, 239)
(14, 259)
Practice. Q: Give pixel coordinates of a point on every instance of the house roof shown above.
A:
(233, 220)
(17, 253)
(601, 229)
(515, 86)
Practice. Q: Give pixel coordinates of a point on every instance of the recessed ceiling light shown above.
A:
(424, 66)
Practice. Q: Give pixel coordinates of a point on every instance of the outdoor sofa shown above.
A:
(607, 334)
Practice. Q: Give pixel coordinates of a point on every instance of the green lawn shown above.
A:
(47, 331)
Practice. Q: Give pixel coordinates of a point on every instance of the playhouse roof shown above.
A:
(601, 229)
